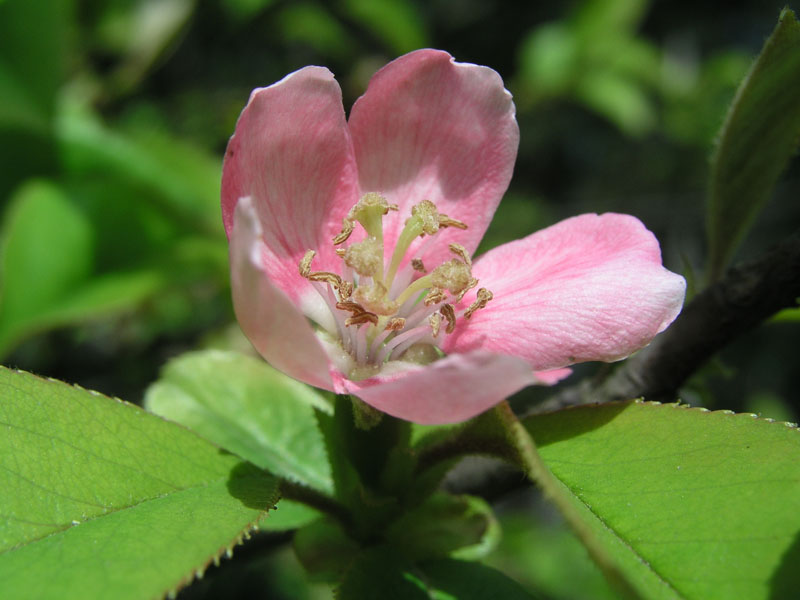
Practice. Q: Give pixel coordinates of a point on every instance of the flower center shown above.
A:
(381, 312)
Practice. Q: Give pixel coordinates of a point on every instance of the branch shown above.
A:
(748, 294)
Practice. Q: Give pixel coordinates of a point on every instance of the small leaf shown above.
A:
(445, 525)
(249, 408)
(102, 500)
(758, 137)
(690, 504)
(464, 580)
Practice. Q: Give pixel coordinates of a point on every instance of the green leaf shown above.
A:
(395, 22)
(249, 408)
(47, 263)
(102, 500)
(445, 525)
(758, 137)
(380, 574)
(690, 504)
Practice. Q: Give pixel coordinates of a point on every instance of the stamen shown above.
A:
(460, 296)
(305, 263)
(361, 318)
(436, 321)
(428, 216)
(416, 264)
(434, 297)
(445, 221)
(483, 298)
(344, 234)
(449, 314)
(395, 324)
(461, 252)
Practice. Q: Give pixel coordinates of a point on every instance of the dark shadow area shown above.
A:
(254, 487)
(785, 582)
(571, 422)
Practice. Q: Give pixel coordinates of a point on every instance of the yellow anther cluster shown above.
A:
(373, 301)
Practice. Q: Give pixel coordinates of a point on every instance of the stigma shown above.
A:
(385, 307)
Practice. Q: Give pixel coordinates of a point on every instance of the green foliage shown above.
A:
(47, 262)
(245, 406)
(688, 503)
(758, 138)
(101, 499)
(380, 575)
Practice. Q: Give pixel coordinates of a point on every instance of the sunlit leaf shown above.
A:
(102, 500)
(249, 408)
(757, 139)
(690, 504)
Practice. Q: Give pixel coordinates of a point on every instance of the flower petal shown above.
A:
(588, 288)
(450, 390)
(431, 128)
(292, 154)
(270, 320)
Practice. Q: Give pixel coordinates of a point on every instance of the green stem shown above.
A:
(310, 497)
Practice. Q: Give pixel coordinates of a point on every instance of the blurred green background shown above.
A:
(114, 116)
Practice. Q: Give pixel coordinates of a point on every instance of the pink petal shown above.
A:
(292, 154)
(450, 390)
(431, 128)
(588, 288)
(270, 320)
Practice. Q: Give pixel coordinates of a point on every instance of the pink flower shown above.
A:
(392, 310)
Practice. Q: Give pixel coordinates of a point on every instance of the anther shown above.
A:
(445, 221)
(347, 229)
(482, 299)
(449, 314)
(361, 318)
(461, 295)
(305, 263)
(461, 252)
(416, 264)
(434, 297)
(435, 321)
(395, 324)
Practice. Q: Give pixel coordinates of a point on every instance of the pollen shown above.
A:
(428, 215)
(375, 299)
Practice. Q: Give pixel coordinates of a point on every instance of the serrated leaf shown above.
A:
(690, 504)
(102, 500)
(758, 137)
(249, 408)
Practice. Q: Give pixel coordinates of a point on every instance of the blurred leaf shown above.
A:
(690, 504)
(445, 525)
(380, 574)
(183, 181)
(311, 24)
(140, 32)
(324, 549)
(396, 23)
(602, 19)
(540, 552)
(245, 9)
(47, 264)
(102, 500)
(621, 101)
(249, 408)
(33, 53)
(758, 138)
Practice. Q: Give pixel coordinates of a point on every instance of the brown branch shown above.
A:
(748, 294)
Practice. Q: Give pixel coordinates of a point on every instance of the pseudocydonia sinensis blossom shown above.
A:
(351, 246)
